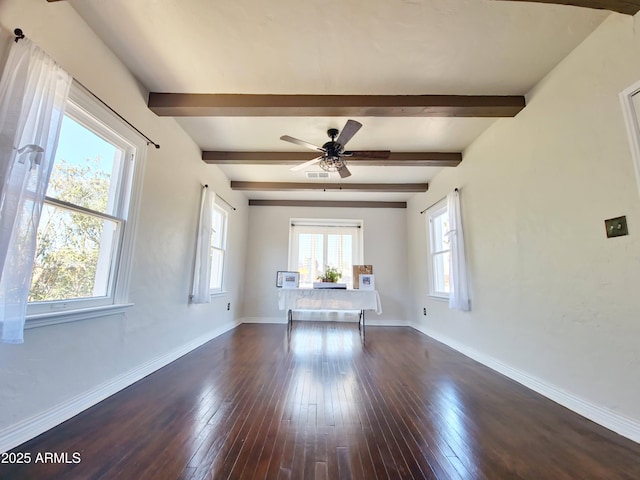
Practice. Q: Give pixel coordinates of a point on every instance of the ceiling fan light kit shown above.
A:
(332, 164)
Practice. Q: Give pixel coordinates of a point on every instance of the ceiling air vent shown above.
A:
(317, 175)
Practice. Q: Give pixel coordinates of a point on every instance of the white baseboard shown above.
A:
(625, 426)
(282, 320)
(29, 428)
(372, 322)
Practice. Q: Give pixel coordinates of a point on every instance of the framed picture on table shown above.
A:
(360, 269)
(287, 279)
(367, 282)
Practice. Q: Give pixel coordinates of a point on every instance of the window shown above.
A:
(218, 247)
(439, 258)
(84, 240)
(318, 243)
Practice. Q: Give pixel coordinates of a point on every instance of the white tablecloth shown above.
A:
(329, 299)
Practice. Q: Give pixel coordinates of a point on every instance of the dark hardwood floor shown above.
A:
(256, 403)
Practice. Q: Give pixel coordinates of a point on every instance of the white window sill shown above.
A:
(54, 318)
(440, 298)
(218, 294)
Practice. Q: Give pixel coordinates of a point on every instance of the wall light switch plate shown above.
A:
(616, 227)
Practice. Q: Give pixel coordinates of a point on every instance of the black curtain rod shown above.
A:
(332, 226)
(20, 35)
(149, 141)
(434, 203)
(232, 207)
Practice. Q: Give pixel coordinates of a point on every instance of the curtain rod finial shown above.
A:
(19, 34)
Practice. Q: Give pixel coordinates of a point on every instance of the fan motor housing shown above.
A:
(333, 149)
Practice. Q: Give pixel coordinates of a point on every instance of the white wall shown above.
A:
(385, 240)
(555, 303)
(59, 369)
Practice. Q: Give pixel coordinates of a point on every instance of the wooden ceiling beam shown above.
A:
(326, 203)
(238, 105)
(627, 7)
(352, 187)
(396, 159)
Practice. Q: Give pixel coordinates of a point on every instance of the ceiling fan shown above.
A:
(333, 154)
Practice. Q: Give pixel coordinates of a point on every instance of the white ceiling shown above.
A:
(411, 47)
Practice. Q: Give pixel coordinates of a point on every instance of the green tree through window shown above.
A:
(69, 240)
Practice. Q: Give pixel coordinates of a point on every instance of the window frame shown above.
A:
(325, 224)
(434, 212)
(85, 109)
(225, 236)
(632, 122)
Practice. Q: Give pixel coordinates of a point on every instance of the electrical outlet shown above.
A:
(616, 227)
(424, 311)
(228, 306)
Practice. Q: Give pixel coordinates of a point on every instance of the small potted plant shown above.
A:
(330, 275)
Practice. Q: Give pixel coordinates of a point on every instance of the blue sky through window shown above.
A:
(78, 143)
(84, 159)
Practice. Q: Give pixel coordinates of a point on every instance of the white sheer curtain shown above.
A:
(459, 290)
(33, 92)
(202, 270)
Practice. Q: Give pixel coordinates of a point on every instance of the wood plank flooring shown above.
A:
(316, 403)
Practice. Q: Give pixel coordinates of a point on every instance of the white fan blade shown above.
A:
(304, 165)
(302, 143)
